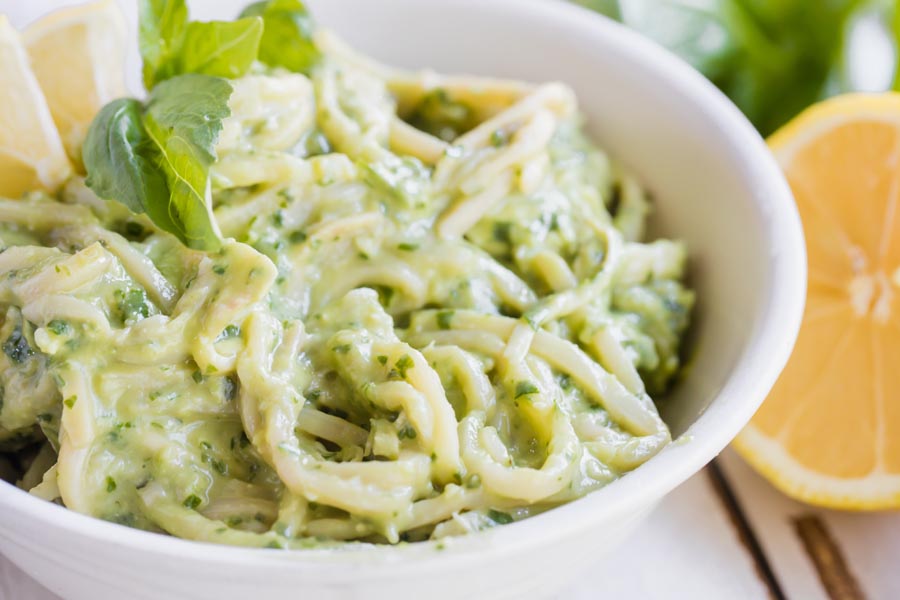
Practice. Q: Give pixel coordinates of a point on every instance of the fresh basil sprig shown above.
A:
(154, 157)
(171, 45)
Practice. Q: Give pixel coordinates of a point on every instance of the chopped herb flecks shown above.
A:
(502, 231)
(501, 518)
(444, 318)
(524, 388)
(403, 364)
(59, 327)
(133, 305)
(16, 346)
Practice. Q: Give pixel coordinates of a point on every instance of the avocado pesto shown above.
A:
(347, 303)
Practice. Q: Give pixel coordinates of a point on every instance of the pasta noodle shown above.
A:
(439, 319)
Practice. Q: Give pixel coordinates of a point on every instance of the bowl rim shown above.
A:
(752, 376)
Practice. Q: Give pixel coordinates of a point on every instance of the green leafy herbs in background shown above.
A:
(773, 58)
(154, 156)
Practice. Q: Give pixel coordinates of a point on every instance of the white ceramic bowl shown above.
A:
(716, 186)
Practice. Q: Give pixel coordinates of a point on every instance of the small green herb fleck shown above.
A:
(403, 364)
(59, 327)
(501, 518)
(382, 359)
(70, 401)
(278, 218)
(297, 237)
(444, 318)
(133, 305)
(342, 349)
(442, 116)
(110, 485)
(219, 465)
(16, 347)
(385, 294)
(407, 247)
(219, 269)
(192, 502)
(407, 433)
(275, 545)
(197, 376)
(524, 388)
(503, 231)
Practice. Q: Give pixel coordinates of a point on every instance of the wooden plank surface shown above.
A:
(868, 543)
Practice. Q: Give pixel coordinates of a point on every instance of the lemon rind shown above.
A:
(877, 491)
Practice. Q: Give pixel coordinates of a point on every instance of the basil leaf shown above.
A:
(170, 45)
(161, 26)
(287, 39)
(220, 48)
(121, 162)
(155, 158)
(184, 117)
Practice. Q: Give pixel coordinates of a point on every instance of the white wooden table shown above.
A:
(726, 533)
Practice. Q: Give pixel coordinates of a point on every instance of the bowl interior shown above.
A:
(704, 193)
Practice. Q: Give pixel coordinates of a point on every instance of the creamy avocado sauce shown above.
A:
(432, 313)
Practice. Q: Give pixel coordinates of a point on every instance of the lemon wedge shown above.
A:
(31, 152)
(77, 55)
(829, 432)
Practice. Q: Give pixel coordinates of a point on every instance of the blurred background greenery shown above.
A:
(773, 58)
